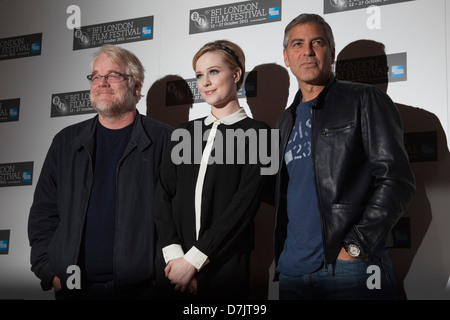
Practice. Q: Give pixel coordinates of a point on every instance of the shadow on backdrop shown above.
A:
(366, 61)
(169, 100)
(266, 100)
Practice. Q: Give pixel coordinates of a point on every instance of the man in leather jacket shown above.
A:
(91, 225)
(344, 178)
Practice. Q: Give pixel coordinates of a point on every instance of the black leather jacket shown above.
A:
(362, 175)
(62, 193)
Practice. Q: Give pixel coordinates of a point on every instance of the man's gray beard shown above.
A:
(120, 106)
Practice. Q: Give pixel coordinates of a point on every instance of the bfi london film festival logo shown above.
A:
(234, 15)
(116, 32)
(372, 8)
(16, 174)
(331, 6)
(373, 69)
(71, 103)
(21, 46)
(338, 4)
(9, 110)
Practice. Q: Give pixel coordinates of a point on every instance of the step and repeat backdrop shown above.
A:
(401, 46)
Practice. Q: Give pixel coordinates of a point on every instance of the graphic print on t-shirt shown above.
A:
(299, 146)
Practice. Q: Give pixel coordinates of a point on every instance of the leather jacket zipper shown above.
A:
(319, 203)
(327, 131)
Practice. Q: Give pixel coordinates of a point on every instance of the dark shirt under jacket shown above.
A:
(97, 247)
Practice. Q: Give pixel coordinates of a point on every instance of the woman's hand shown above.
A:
(182, 274)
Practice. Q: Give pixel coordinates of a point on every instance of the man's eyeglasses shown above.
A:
(113, 77)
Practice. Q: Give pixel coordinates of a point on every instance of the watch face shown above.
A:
(353, 250)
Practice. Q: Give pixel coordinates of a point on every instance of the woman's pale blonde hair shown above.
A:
(233, 55)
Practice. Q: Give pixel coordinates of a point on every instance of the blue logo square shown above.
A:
(35, 47)
(398, 71)
(147, 31)
(13, 113)
(3, 245)
(26, 176)
(274, 12)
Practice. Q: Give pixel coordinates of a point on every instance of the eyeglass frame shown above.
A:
(106, 76)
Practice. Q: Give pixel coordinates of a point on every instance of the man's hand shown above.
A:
(56, 283)
(343, 255)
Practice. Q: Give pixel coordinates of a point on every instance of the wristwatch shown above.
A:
(353, 250)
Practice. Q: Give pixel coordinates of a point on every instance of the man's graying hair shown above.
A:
(121, 56)
(305, 18)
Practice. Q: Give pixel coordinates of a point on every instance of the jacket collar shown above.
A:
(139, 136)
(228, 120)
(318, 101)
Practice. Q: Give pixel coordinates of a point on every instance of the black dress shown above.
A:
(231, 195)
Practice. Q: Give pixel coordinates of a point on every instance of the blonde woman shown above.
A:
(206, 201)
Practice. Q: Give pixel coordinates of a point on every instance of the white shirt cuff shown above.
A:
(196, 258)
(172, 251)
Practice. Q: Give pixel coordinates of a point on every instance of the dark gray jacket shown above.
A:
(362, 175)
(61, 198)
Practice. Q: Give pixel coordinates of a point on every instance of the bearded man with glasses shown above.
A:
(92, 208)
